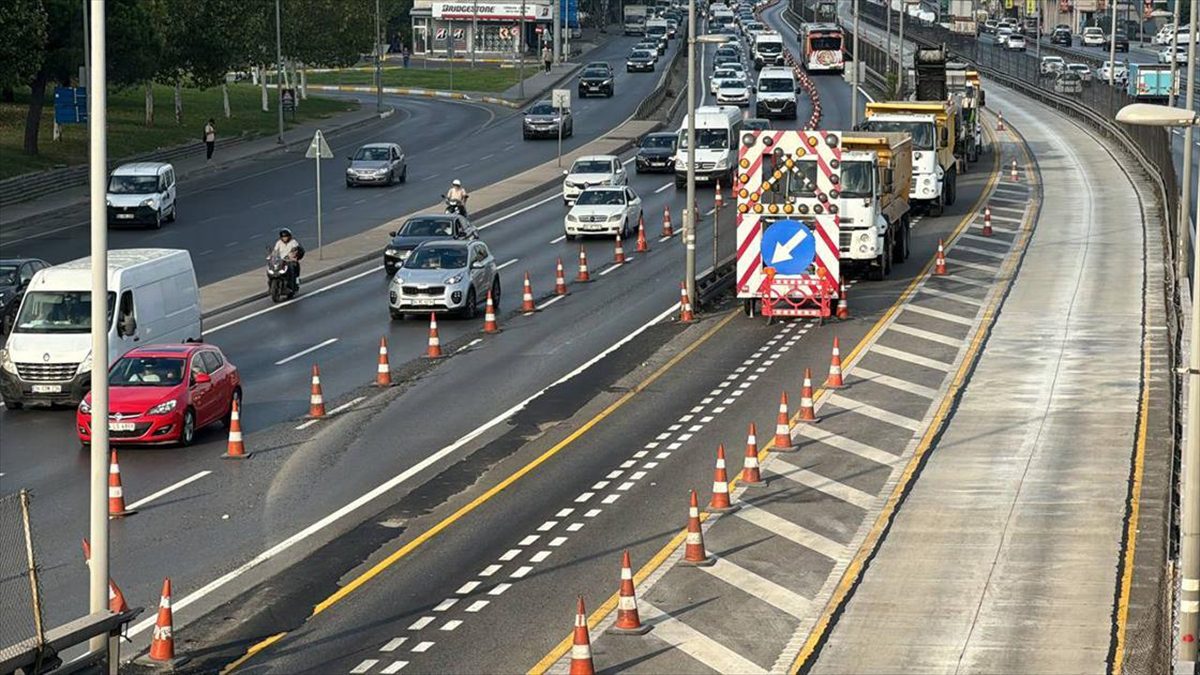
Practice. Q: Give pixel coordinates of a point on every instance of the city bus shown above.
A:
(822, 43)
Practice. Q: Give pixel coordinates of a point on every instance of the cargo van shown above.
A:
(152, 299)
(776, 93)
(717, 130)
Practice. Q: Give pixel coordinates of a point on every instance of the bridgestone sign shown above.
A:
(489, 10)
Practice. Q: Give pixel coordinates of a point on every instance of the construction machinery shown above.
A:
(874, 208)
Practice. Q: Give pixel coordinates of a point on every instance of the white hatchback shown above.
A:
(592, 170)
(604, 210)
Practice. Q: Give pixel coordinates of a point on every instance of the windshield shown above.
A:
(856, 179)
(58, 312)
(642, 54)
(658, 142)
(733, 84)
(133, 185)
(825, 43)
(428, 227)
(707, 139)
(543, 108)
(755, 125)
(601, 198)
(372, 154)
(776, 85)
(800, 182)
(769, 47)
(592, 166)
(8, 275)
(437, 258)
(595, 73)
(921, 132)
(146, 371)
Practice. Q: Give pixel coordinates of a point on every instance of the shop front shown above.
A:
(443, 29)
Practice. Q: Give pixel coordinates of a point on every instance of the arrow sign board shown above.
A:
(318, 147)
(789, 247)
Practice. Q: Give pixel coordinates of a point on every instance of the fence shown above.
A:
(20, 593)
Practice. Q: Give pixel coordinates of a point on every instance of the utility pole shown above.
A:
(1112, 44)
(474, 29)
(854, 79)
(521, 54)
(378, 62)
(1185, 199)
(900, 56)
(689, 223)
(1174, 94)
(98, 191)
(279, 70)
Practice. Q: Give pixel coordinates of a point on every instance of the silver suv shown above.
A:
(444, 276)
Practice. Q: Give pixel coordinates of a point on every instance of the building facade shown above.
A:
(495, 29)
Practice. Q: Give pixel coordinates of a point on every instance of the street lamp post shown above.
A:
(854, 84)
(1189, 537)
(900, 54)
(378, 63)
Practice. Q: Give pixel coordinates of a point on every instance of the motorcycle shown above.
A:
(281, 278)
(455, 206)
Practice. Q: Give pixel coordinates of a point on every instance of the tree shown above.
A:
(328, 33)
(62, 53)
(22, 42)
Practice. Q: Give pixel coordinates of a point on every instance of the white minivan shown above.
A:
(152, 299)
(716, 153)
(142, 193)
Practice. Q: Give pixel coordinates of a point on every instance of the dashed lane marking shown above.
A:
(873, 412)
(519, 211)
(305, 352)
(558, 239)
(345, 406)
(816, 481)
(393, 644)
(664, 188)
(759, 586)
(924, 335)
(937, 314)
(167, 490)
(694, 643)
(910, 357)
(789, 530)
(982, 267)
(363, 667)
(394, 667)
(981, 251)
(507, 264)
(285, 303)
(966, 281)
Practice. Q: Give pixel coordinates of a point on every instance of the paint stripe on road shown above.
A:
(518, 212)
(820, 483)
(938, 314)
(925, 335)
(868, 452)
(695, 644)
(167, 490)
(285, 303)
(956, 297)
(303, 352)
(760, 587)
(340, 408)
(895, 382)
(910, 357)
(791, 531)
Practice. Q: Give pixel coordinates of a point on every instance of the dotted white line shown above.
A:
(421, 623)
(510, 554)
(423, 647)
(500, 588)
(445, 605)
(539, 556)
(467, 587)
(529, 540)
(592, 513)
(490, 570)
(521, 571)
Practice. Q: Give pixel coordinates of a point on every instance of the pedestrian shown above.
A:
(210, 138)
(547, 56)
(405, 54)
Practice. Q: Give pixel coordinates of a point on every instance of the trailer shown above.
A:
(1150, 82)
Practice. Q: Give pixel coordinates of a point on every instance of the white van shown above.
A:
(717, 130)
(768, 50)
(776, 93)
(48, 357)
(142, 193)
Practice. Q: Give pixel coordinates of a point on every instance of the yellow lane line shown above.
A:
(432, 532)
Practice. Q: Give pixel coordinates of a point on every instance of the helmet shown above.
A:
(456, 183)
(285, 232)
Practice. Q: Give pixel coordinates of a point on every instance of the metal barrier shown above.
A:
(20, 591)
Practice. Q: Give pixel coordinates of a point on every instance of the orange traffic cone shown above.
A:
(843, 307)
(527, 305)
(783, 433)
(583, 276)
(642, 245)
(628, 622)
(116, 599)
(718, 200)
(834, 381)
(618, 252)
(939, 262)
(685, 305)
(116, 495)
(999, 121)
(987, 221)
(581, 649)
(750, 472)
(236, 448)
(1013, 172)
(667, 231)
(383, 370)
(807, 412)
(316, 402)
(693, 550)
(434, 350)
(489, 315)
(720, 498)
(560, 281)
(162, 644)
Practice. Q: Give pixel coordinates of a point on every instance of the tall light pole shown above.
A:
(854, 76)
(1112, 44)
(378, 62)
(521, 54)
(689, 223)
(1185, 200)
(279, 70)
(474, 29)
(900, 56)
(1173, 99)
(558, 6)
(97, 186)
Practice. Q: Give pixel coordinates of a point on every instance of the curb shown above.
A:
(413, 91)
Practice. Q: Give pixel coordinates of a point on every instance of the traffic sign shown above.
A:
(70, 105)
(318, 147)
(789, 247)
(561, 98)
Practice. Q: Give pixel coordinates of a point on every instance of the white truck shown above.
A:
(635, 19)
(962, 17)
(768, 50)
(776, 93)
(933, 127)
(717, 130)
(873, 202)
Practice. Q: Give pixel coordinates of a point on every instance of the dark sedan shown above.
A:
(656, 153)
(543, 121)
(15, 275)
(641, 60)
(1061, 37)
(596, 81)
(420, 229)
(1122, 43)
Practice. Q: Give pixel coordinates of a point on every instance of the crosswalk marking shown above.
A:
(895, 382)
(816, 481)
(789, 530)
(874, 412)
(760, 587)
(694, 643)
(911, 358)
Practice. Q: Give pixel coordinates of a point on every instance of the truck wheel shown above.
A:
(952, 188)
(900, 247)
(937, 207)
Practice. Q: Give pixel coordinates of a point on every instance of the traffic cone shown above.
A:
(667, 231)
(162, 644)
(939, 262)
(843, 307)
(685, 305)
(987, 221)
(834, 381)
(489, 315)
(583, 276)
(718, 201)
(527, 305)
(732, 190)
(316, 402)
(560, 281)
(116, 599)
(581, 649)
(236, 449)
(783, 433)
(1013, 172)
(116, 495)
(750, 472)
(383, 371)
(999, 121)
(807, 412)
(642, 245)
(693, 551)
(628, 622)
(720, 502)
(618, 252)
(434, 350)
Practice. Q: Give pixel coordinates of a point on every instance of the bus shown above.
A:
(822, 43)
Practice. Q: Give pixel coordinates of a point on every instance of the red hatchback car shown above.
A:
(160, 394)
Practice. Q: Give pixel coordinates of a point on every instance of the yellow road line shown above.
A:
(432, 532)
(665, 552)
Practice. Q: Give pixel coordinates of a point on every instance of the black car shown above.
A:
(641, 60)
(755, 124)
(543, 120)
(596, 80)
(1061, 36)
(1122, 43)
(15, 275)
(656, 153)
(420, 229)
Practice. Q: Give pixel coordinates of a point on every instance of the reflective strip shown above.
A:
(162, 633)
(627, 603)
(751, 462)
(1191, 584)
(720, 487)
(751, 440)
(235, 437)
(581, 652)
(114, 468)
(693, 538)
(693, 512)
(114, 491)
(317, 399)
(626, 573)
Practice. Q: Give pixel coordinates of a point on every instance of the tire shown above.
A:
(391, 178)
(187, 433)
(680, 184)
(349, 184)
(404, 174)
(952, 189)
(625, 230)
(471, 308)
(174, 211)
(569, 236)
(900, 247)
(396, 314)
(228, 418)
(937, 208)
(158, 220)
(276, 290)
(496, 291)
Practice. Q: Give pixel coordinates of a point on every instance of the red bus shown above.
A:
(822, 44)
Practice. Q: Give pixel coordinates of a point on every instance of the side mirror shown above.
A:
(566, 173)
(392, 233)
(477, 265)
(945, 136)
(128, 326)
(200, 378)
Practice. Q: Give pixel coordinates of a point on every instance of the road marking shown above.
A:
(467, 587)
(612, 267)
(393, 644)
(925, 335)
(956, 297)
(965, 280)
(422, 647)
(789, 530)
(167, 490)
(421, 623)
(490, 570)
(895, 382)
(518, 212)
(558, 239)
(445, 604)
(982, 239)
(695, 644)
(261, 204)
(510, 262)
(451, 625)
(902, 355)
(477, 605)
(310, 350)
(394, 667)
(980, 251)
(349, 404)
(663, 188)
(460, 167)
(551, 301)
(816, 481)
(760, 587)
(467, 346)
(363, 667)
(938, 314)
(982, 267)
(285, 303)
(500, 588)
(846, 444)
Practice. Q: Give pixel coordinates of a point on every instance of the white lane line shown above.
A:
(982, 267)
(910, 357)
(467, 346)
(510, 554)
(393, 644)
(487, 156)
(816, 481)
(451, 624)
(873, 412)
(400, 478)
(558, 239)
(925, 334)
(460, 167)
(510, 262)
(261, 204)
(695, 644)
(849, 445)
(231, 244)
(518, 212)
(489, 570)
(861, 373)
(760, 587)
(467, 587)
(551, 301)
(422, 646)
(349, 404)
(663, 188)
(477, 605)
(446, 604)
(307, 294)
(167, 490)
(363, 667)
(791, 531)
(965, 280)
(393, 667)
(207, 251)
(938, 314)
(980, 251)
(615, 266)
(421, 623)
(310, 350)
(500, 588)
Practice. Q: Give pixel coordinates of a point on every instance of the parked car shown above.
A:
(15, 275)
(1051, 65)
(1068, 83)
(656, 152)
(589, 171)
(604, 210)
(420, 229)
(596, 80)
(164, 394)
(1061, 36)
(376, 164)
(444, 276)
(1093, 37)
(1082, 70)
(543, 120)
(1165, 35)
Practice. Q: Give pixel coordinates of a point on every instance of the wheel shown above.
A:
(952, 188)
(625, 230)
(937, 207)
(900, 248)
(470, 309)
(237, 396)
(396, 314)
(391, 178)
(174, 212)
(187, 431)
(610, 93)
(404, 174)
(680, 184)
(496, 292)
(569, 236)
(158, 220)
(276, 290)
(349, 184)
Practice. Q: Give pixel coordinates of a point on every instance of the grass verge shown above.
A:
(484, 78)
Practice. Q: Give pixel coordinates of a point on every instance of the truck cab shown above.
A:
(932, 125)
(873, 202)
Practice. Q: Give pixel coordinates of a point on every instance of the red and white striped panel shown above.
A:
(823, 147)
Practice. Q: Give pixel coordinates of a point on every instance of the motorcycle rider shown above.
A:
(459, 194)
(289, 249)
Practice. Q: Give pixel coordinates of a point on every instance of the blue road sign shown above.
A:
(70, 105)
(789, 247)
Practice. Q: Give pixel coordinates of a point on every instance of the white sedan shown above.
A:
(1015, 43)
(1119, 72)
(604, 210)
(1178, 52)
(592, 170)
(734, 92)
(720, 76)
(1093, 37)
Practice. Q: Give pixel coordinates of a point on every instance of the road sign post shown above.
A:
(317, 151)
(561, 99)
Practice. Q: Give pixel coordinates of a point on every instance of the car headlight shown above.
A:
(392, 252)
(722, 162)
(6, 361)
(152, 203)
(606, 82)
(614, 217)
(85, 366)
(450, 281)
(108, 202)
(84, 408)
(927, 181)
(571, 217)
(864, 237)
(162, 408)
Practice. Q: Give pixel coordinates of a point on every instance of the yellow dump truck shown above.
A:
(873, 201)
(933, 128)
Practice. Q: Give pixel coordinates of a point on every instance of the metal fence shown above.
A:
(20, 592)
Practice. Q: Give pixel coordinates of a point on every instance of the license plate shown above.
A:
(424, 301)
(127, 216)
(47, 388)
(121, 426)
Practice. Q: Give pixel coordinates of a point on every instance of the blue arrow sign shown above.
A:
(789, 247)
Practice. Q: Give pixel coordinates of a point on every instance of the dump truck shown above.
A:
(873, 206)
(929, 68)
(962, 17)
(970, 127)
(635, 19)
(933, 126)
